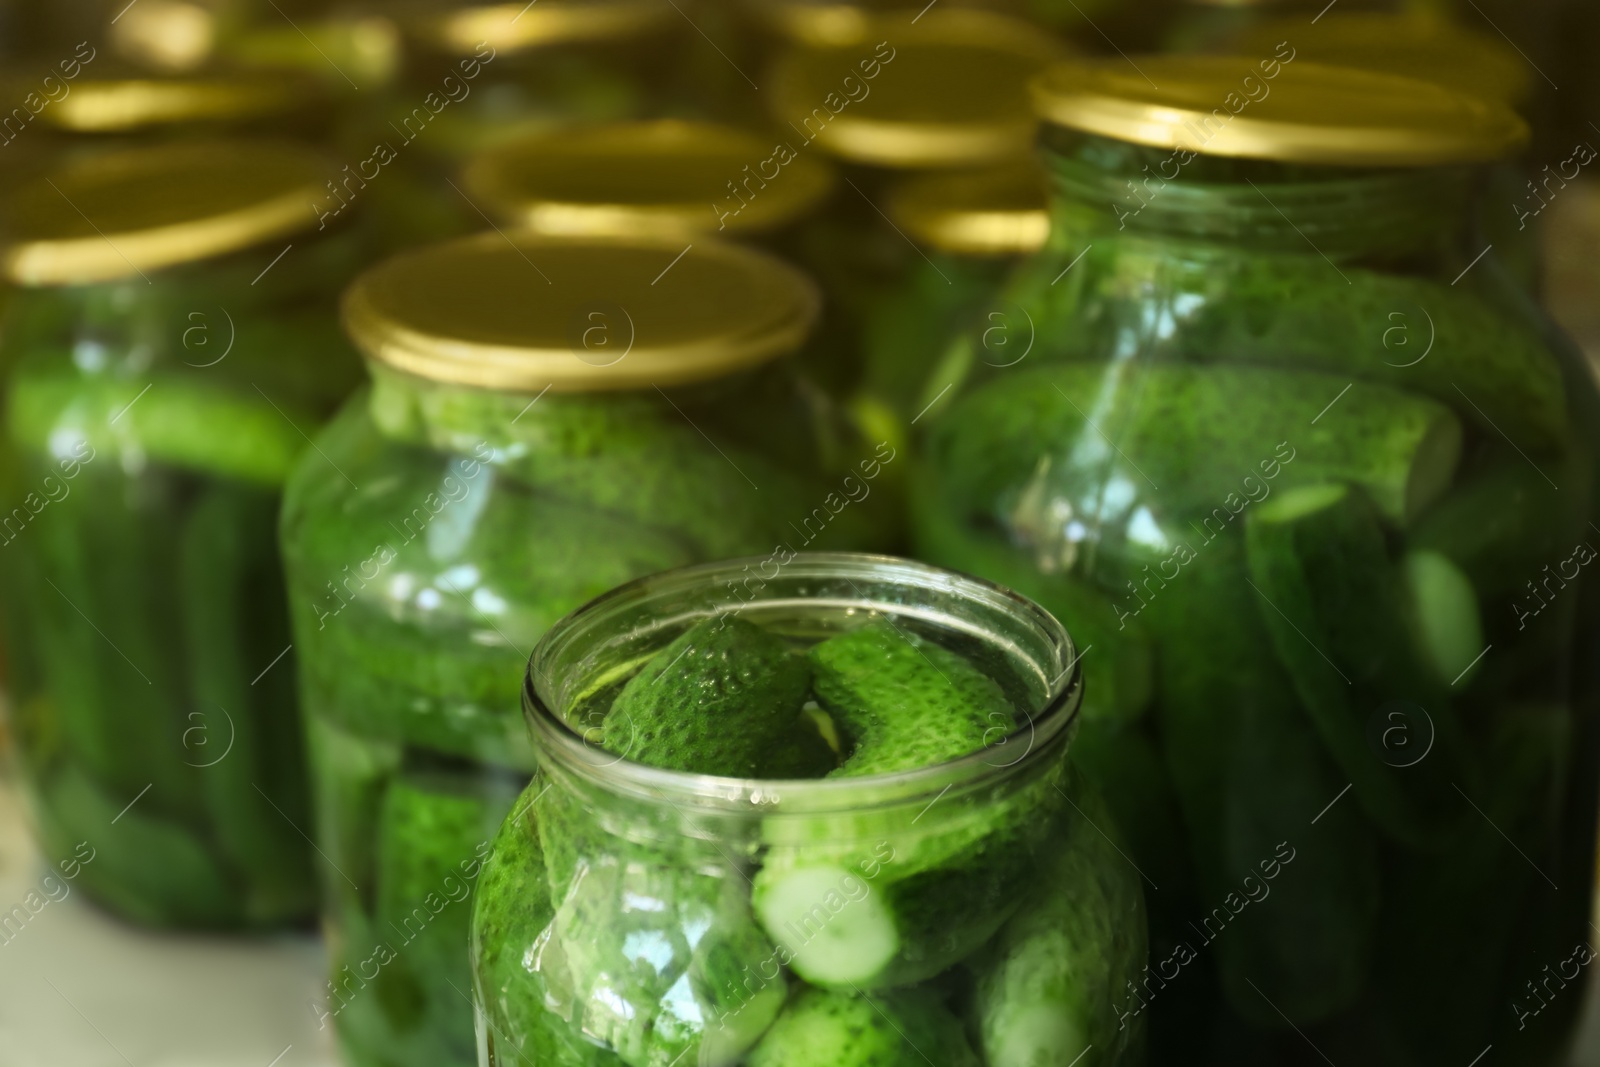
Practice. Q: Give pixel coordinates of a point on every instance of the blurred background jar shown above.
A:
(1292, 446)
(548, 417)
(170, 344)
(942, 92)
(975, 226)
(664, 176)
(477, 74)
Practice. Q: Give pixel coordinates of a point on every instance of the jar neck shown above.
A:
(1346, 214)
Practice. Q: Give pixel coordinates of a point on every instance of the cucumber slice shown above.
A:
(905, 702)
(1048, 987)
(718, 700)
(1335, 606)
(899, 1028)
(1402, 449)
(882, 898)
(1447, 614)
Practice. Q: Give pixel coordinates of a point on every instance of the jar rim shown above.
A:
(1045, 730)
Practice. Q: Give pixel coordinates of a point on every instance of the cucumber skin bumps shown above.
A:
(867, 938)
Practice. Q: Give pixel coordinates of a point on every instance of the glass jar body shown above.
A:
(1202, 465)
(150, 427)
(470, 522)
(630, 916)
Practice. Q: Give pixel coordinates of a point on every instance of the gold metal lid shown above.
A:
(103, 99)
(461, 25)
(1308, 113)
(998, 211)
(531, 311)
(667, 176)
(1406, 45)
(830, 22)
(947, 89)
(361, 48)
(126, 213)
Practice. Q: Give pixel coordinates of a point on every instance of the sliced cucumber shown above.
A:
(1447, 614)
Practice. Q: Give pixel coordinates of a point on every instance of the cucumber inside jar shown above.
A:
(1363, 633)
(154, 597)
(612, 930)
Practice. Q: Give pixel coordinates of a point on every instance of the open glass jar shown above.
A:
(1290, 443)
(548, 417)
(170, 343)
(962, 911)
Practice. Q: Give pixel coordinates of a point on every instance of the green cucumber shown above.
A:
(1048, 986)
(1124, 765)
(1336, 608)
(717, 700)
(1431, 897)
(632, 457)
(511, 913)
(1502, 524)
(227, 543)
(349, 777)
(1403, 332)
(433, 828)
(1060, 422)
(657, 958)
(898, 1028)
(145, 868)
(175, 419)
(872, 899)
(904, 702)
(1250, 775)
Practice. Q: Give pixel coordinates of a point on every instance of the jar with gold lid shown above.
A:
(169, 345)
(1313, 479)
(976, 226)
(548, 417)
(477, 74)
(946, 91)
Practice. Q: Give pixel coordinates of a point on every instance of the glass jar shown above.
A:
(164, 362)
(664, 176)
(1311, 481)
(658, 176)
(941, 92)
(633, 915)
(548, 417)
(975, 226)
(478, 74)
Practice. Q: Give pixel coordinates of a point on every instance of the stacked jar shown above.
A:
(943, 92)
(548, 417)
(170, 345)
(1291, 445)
